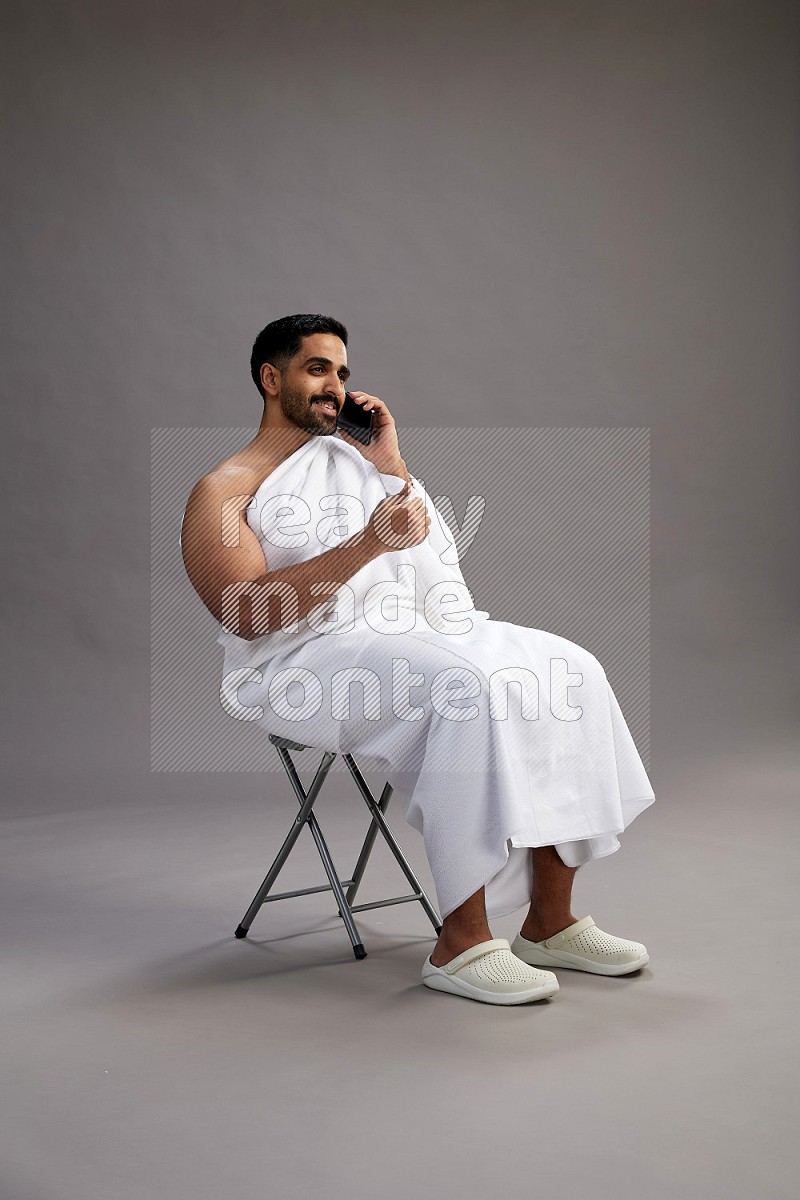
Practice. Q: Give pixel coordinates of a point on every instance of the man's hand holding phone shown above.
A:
(398, 521)
(383, 450)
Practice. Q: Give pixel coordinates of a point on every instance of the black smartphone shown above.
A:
(355, 420)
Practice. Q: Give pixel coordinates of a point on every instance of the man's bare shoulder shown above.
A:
(217, 502)
(231, 473)
(241, 471)
(228, 482)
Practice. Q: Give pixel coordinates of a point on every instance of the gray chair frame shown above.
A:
(305, 816)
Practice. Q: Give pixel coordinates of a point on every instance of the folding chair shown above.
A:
(306, 817)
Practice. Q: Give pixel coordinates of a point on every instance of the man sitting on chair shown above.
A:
(293, 544)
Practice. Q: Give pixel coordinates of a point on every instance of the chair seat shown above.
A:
(282, 741)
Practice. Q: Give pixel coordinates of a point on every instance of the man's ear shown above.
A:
(270, 379)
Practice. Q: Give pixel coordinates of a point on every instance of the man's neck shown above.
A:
(271, 445)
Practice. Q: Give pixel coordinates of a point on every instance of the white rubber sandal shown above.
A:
(583, 947)
(491, 973)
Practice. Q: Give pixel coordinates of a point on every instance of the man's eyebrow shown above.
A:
(326, 362)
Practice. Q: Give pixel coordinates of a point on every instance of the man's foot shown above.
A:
(583, 947)
(489, 972)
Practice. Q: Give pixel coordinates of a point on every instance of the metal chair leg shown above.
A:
(306, 804)
(305, 816)
(378, 819)
(336, 887)
(369, 842)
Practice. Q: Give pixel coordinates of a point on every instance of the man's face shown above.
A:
(313, 384)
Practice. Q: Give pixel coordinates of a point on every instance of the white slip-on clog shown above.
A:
(491, 973)
(583, 947)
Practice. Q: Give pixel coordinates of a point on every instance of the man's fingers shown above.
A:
(401, 496)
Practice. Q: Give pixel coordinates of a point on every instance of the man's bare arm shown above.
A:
(225, 561)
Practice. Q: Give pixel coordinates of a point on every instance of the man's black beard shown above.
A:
(301, 411)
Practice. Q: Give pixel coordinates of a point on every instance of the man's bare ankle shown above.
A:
(540, 931)
(450, 945)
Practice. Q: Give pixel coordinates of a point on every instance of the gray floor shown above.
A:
(148, 1054)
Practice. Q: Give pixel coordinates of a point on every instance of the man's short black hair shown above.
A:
(280, 341)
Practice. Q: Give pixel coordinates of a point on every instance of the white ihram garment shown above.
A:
(479, 784)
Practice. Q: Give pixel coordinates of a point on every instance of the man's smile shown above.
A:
(329, 405)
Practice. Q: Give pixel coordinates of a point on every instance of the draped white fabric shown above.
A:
(496, 737)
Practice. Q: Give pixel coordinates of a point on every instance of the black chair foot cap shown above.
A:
(359, 951)
(438, 929)
(240, 932)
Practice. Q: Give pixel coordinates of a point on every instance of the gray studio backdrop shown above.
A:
(530, 216)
